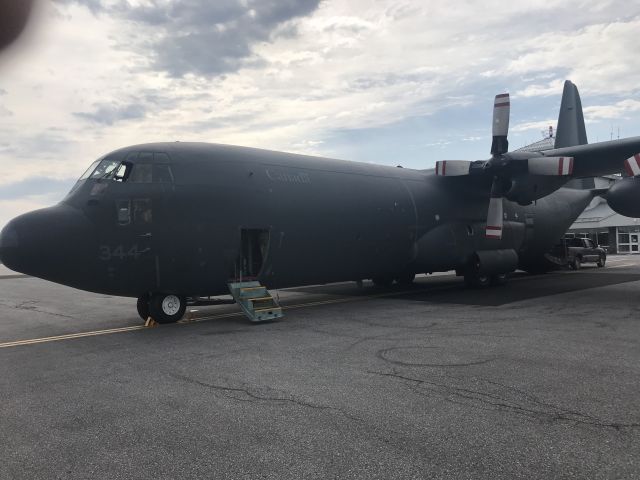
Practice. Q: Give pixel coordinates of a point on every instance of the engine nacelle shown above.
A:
(491, 262)
(624, 197)
(527, 188)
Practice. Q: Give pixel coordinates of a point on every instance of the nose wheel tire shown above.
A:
(167, 308)
(143, 307)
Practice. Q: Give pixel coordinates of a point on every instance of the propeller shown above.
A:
(503, 166)
(632, 165)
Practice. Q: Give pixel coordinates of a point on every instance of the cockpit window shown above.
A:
(89, 170)
(142, 173)
(151, 173)
(106, 168)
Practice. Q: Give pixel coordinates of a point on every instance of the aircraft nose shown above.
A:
(8, 244)
(45, 243)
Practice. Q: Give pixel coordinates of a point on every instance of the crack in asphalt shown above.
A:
(492, 401)
(254, 397)
(32, 306)
(382, 354)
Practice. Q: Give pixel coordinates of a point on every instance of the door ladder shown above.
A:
(255, 301)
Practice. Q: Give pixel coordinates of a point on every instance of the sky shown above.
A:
(397, 82)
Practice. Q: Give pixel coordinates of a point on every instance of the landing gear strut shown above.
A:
(162, 307)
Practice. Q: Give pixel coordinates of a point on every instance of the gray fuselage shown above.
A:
(319, 220)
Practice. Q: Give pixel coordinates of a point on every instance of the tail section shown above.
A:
(571, 130)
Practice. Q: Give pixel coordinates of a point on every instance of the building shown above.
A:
(604, 226)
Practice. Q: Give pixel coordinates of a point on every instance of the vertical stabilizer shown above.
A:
(570, 131)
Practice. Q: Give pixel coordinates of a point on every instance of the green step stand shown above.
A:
(255, 301)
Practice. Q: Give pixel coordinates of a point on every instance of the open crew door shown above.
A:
(253, 252)
(253, 298)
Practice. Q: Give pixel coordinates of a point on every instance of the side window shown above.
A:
(162, 174)
(142, 212)
(162, 169)
(145, 156)
(123, 212)
(123, 172)
(141, 173)
(145, 167)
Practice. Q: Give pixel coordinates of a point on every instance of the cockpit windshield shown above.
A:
(105, 169)
(149, 167)
(89, 170)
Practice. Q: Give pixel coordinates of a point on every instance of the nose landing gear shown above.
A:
(162, 307)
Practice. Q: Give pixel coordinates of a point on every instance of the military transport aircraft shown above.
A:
(166, 221)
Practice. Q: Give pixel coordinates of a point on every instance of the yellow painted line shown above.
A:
(95, 333)
(71, 336)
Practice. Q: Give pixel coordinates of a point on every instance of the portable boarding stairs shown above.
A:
(255, 301)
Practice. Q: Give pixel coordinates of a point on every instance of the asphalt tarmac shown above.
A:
(539, 378)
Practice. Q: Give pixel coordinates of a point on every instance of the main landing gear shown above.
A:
(162, 307)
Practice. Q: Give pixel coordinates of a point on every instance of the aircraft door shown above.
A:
(253, 256)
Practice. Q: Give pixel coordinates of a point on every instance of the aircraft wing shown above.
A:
(598, 159)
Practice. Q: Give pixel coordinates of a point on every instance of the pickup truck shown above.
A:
(576, 251)
(582, 250)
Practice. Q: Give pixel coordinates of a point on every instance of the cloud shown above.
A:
(110, 114)
(51, 188)
(30, 194)
(373, 80)
(202, 37)
(618, 110)
(538, 126)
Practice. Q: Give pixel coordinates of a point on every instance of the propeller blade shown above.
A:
(632, 165)
(557, 166)
(501, 108)
(494, 215)
(452, 168)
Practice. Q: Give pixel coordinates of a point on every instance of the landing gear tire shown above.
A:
(143, 307)
(382, 281)
(165, 308)
(406, 279)
(601, 261)
(575, 264)
(475, 280)
(498, 279)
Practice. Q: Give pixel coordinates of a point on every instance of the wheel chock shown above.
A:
(190, 316)
(150, 323)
